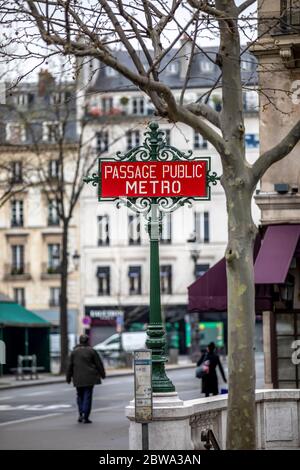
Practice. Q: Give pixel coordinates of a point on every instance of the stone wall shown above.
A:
(177, 424)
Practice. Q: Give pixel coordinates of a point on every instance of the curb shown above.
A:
(63, 380)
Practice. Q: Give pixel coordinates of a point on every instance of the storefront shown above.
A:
(105, 321)
(23, 333)
(277, 301)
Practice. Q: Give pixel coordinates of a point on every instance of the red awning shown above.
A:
(209, 292)
(276, 253)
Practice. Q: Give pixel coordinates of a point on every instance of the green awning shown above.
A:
(13, 314)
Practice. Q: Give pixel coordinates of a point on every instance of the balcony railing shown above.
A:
(17, 222)
(50, 271)
(17, 272)
(52, 222)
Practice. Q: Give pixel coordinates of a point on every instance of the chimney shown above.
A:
(46, 82)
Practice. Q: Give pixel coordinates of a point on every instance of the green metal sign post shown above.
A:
(154, 179)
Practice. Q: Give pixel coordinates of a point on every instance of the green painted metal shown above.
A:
(155, 148)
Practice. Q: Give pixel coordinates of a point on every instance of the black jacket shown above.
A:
(85, 367)
(210, 381)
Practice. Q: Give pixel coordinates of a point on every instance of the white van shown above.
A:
(122, 342)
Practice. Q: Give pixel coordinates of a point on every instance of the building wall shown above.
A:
(119, 255)
(35, 234)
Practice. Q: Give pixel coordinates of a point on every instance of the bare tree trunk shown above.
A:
(241, 427)
(64, 300)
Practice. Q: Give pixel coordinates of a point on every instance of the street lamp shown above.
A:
(76, 259)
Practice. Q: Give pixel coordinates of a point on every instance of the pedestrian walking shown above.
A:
(210, 360)
(86, 369)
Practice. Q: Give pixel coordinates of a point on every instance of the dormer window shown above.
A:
(173, 68)
(21, 99)
(206, 66)
(246, 65)
(15, 132)
(110, 72)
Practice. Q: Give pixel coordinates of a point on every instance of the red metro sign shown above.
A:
(134, 179)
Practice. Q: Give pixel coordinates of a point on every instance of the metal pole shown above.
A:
(156, 331)
(1, 339)
(26, 342)
(145, 436)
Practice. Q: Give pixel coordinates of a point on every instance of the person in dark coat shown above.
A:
(86, 369)
(210, 380)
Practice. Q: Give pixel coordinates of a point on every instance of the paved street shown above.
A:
(44, 417)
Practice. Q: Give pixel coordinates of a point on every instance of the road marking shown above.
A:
(35, 394)
(37, 407)
(108, 408)
(34, 418)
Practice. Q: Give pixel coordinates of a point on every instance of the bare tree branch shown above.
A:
(276, 153)
(245, 5)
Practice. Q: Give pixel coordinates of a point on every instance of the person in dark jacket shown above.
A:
(86, 369)
(210, 380)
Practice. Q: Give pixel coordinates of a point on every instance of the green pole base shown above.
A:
(157, 343)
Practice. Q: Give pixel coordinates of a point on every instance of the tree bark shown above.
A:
(241, 427)
(64, 346)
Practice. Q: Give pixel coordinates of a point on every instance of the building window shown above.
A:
(206, 66)
(52, 131)
(133, 139)
(18, 266)
(21, 99)
(110, 72)
(58, 98)
(53, 217)
(251, 141)
(135, 280)
(103, 275)
(19, 295)
(15, 132)
(166, 279)
(54, 300)
(250, 101)
(199, 141)
(290, 15)
(54, 258)
(247, 65)
(17, 219)
(138, 106)
(107, 105)
(167, 133)
(53, 169)
(173, 68)
(102, 141)
(166, 234)
(202, 227)
(16, 171)
(201, 269)
(134, 227)
(103, 230)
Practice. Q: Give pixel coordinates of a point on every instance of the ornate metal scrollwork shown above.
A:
(154, 148)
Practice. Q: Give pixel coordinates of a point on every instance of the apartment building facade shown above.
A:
(35, 120)
(114, 242)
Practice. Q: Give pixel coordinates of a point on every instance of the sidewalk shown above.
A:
(9, 381)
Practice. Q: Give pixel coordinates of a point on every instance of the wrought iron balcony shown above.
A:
(17, 272)
(50, 271)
